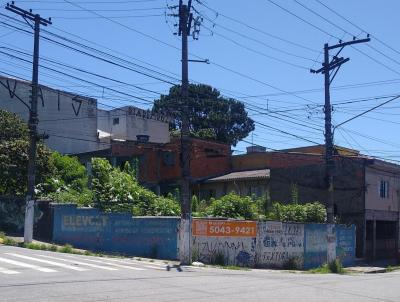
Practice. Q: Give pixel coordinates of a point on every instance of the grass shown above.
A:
(67, 248)
(392, 268)
(233, 267)
(334, 267)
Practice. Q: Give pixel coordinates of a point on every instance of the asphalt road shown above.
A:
(28, 275)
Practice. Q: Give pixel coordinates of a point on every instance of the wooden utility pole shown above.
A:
(33, 117)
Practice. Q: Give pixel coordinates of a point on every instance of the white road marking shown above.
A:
(75, 268)
(133, 261)
(113, 264)
(80, 263)
(8, 271)
(23, 264)
(142, 263)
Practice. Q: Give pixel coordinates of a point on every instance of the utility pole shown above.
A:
(329, 69)
(33, 116)
(185, 251)
(326, 69)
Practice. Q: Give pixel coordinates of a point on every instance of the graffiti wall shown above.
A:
(229, 242)
(280, 244)
(224, 242)
(88, 228)
(345, 243)
(269, 244)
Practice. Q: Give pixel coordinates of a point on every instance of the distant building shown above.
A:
(131, 124)
(366, 190)
(75, 124)
(70, 120)
(159, 165)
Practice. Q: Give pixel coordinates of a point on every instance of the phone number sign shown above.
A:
(224, 228)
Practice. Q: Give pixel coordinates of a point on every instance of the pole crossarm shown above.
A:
(330, 69)
(27, 14)
(349, 43)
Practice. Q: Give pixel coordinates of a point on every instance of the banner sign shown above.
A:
(224, 228)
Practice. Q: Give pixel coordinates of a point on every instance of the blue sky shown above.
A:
(260, 54)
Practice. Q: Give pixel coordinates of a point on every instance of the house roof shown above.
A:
(242, 175)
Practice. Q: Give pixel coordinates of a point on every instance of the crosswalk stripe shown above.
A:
(132, 261)
(114, 264)
(79, 269)
(8, 271)
(152, 266)
(23, 264)
(80, 263)
(155, 267)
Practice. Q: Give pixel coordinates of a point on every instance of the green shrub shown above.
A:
(67, 248)
(336, 267)
(218, 259)
(118, 191)
(309, 212)
(53, 248)
(233, 206)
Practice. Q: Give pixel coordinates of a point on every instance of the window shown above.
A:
(116, 121)
(384, 189)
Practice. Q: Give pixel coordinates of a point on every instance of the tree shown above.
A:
(14, 143)
(211, 115)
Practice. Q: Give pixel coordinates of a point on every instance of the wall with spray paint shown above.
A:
(280, 244)
(88, 228)
(274, 244)
(224, 242)
(229, 242)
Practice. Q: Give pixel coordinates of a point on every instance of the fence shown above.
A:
(89, 228)
(269, 244)
(231, 242)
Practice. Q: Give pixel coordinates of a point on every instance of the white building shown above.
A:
(75, 124)
(127, 123)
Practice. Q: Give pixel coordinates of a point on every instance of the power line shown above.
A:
(256, 29)
(256, 51)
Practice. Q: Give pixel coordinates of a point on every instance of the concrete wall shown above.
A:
(89, 228)
(230, 242)
(132, 122)
(68, 119)
(275, 244)
(224, 242)
(280, 243)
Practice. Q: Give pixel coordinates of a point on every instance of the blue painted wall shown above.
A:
(87, 228)
(345, 244)
(315, 245)
(157, 237)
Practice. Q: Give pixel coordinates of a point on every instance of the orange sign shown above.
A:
(224, 228)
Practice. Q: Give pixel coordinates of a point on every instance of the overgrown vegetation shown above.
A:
(233, 206)
(112, 189)
(246, 207)
(116, 190)
(14, 144)
(309, 212)
(334, 267)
